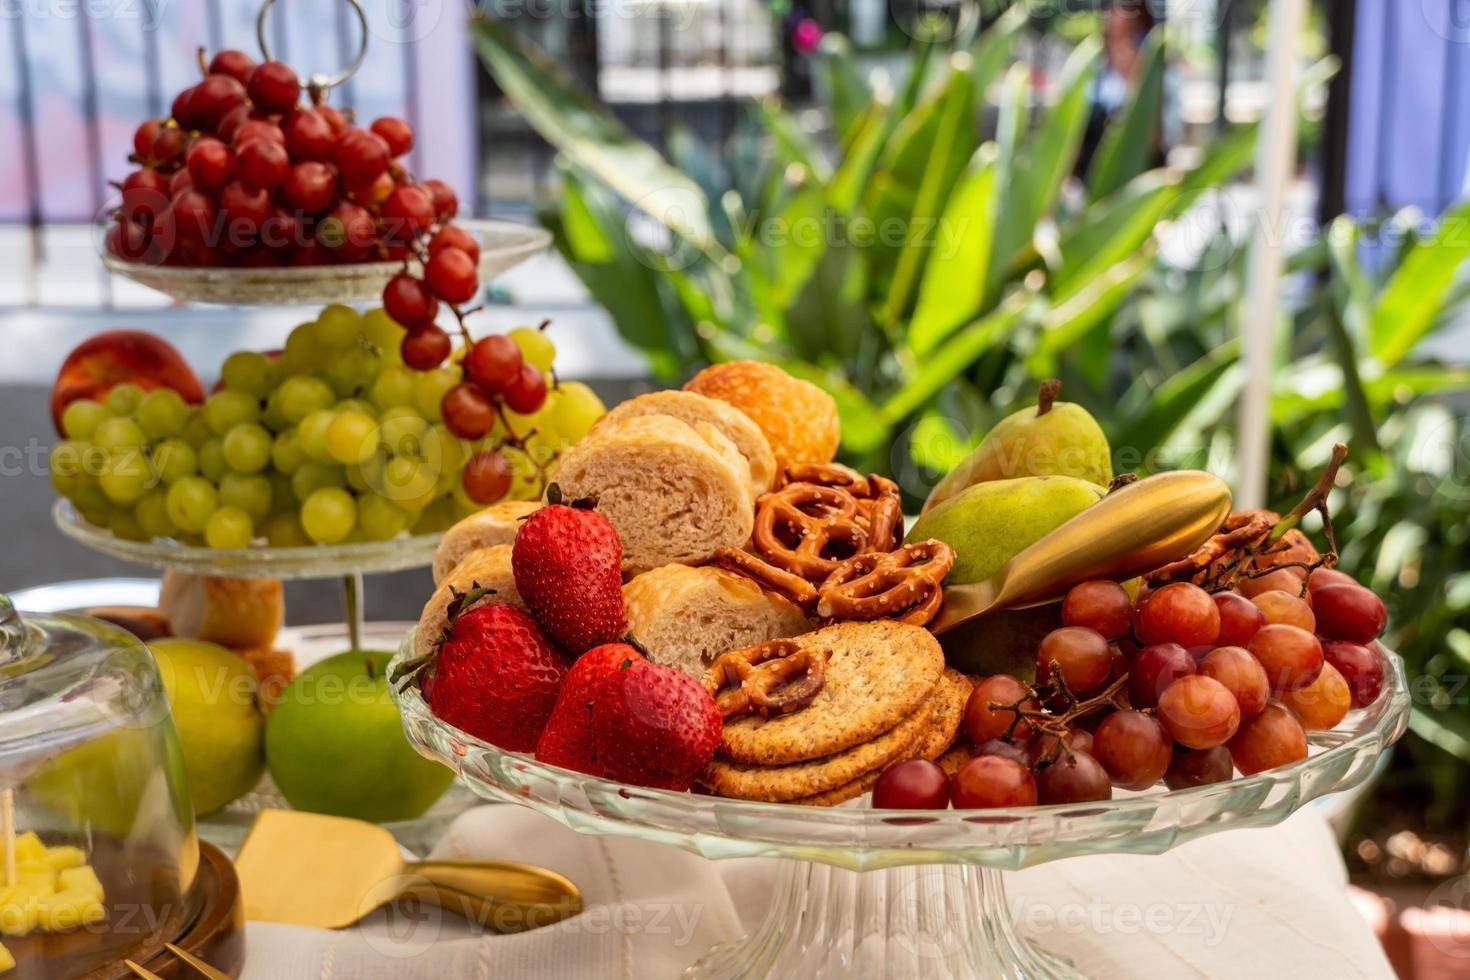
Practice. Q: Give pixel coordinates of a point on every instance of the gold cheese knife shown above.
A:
(1132, 531)
(308, 869)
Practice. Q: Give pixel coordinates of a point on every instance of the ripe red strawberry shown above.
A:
(568, 560)
(566, 740)
(654, 726)
(496, 676)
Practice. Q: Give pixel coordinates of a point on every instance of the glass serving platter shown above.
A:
(504, 246)
(901, 893)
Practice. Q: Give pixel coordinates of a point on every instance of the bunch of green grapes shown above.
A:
(333, 440)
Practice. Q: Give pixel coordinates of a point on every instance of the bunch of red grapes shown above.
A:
(1184, 687)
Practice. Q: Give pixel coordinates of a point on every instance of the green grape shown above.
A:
(378, 519)
(212, 464)
(430, 387)
(284, 530)
(352, 437)
(328, 515)
(312, 476)
(126, 476)
(526, 482)
(272, 416)
(571, 409)
(356, 405)
(543, 448)
(283, 497)
(250, 492)
(382, 332)
(247, 448)
(124, 525)
(229, 527)
(367, 476)
(196, 432)
(69, 466)
(336, 326)
(401, 428)
(352, 370)
(537, 349)
(163, 412)
(311, 434)
(436, 518)
(93, 504)
(123, 398)
(302, 353)
(286, 452)
(443, 451)
(226, 409)
(174, 459)
(516, 425)
(251, 372)
(190, 502)
(302, 394)
(151, 512)
(81, 418)
(463, 502)
(120, 433)
(409, 483)
(394, 386)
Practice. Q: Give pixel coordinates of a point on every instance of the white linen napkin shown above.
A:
(1246, 903)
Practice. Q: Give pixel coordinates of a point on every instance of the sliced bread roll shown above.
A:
(496, 524)
(487, 568)
(693, 408)
(675, 493)
(686, 617)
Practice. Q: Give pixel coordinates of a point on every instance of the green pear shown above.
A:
(990, 523)
(1053, 439)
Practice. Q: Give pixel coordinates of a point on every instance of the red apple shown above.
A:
(111, 358)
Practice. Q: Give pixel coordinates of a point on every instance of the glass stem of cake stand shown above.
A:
(352, 608)
(950, 921)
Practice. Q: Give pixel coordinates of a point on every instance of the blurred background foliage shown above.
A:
(1012, 263)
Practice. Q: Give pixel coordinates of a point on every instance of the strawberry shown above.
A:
(654, 726)
(566, 740)
(496, 675)
(567, 560)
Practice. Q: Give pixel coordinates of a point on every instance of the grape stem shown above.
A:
(1057, 724)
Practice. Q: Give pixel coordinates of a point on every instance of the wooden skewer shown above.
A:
(7, 831)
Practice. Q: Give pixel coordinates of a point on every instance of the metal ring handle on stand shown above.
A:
(318, 84)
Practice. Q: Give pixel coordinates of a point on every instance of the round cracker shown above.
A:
(879, 674)
(949, 711)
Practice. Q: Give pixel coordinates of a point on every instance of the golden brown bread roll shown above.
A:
(233, 612)
(692, 408)
(799, 419)
(496, 524)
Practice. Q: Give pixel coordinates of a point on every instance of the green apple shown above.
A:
(212, 693)
(335, 744)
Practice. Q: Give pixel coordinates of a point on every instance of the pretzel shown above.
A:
(799, 526)
(879, 505)
(765, 678)
(904, 584)
(767, 576)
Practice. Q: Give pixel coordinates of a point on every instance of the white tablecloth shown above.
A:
(1258, 904)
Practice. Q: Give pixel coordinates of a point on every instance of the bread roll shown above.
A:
(488, 568)
(685, 617)
(496, 524)
(690, 407)
(233, 612)
(799, 419)
(674, 493)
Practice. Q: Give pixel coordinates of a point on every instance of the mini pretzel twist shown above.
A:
(799, 526)
(767, 576)
(904, 584)
(768, 679)
(879, 505)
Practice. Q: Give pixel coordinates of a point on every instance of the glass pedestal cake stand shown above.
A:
(864, 892)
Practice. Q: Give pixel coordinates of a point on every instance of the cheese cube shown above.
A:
(82, 879)
(65, 856)
(68, 910)
(7, 962)
(29, 849)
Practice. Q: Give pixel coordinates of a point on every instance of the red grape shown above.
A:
(453, 236)
(452, 275)
(1359, 666)
(308, 135)
(360, 156)
(1242, 675)
(1082, 656)
(1154, 669)
(1270, 739)
(1323, 703)
(425, 348)
(180, 181)
(129, 240)
(992, 781)
(180, 110)
(983, 722)
(446, 204)
(1350, 612)
(1003, 747)
(373, 193)
(1178, 613)
(280, 231)
(210, 163)
(143, 138)
(494, 363)
(1075, 778)
(1045, 745)
(1134, 748)
(486, 477)
(1292, 656)
(406, 211)
(264, 163)
(395, 132)
(144, 194)
(349, 231)
(1100, 606)
(1199, 712)
(231, 122)
(246, 208)
(1323, 577)
(310, 187)
(1290, 580)
(916, 784)
(212, 99)
(527, 393)
(467, 411)
(237, 64)
(311, 253)
(408, 302)
(1199, 767)
(257, 129)
(334, 117)
(194, 215)
(1287, 609)
(274, 87)
(1240, 619)
(168, 146)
